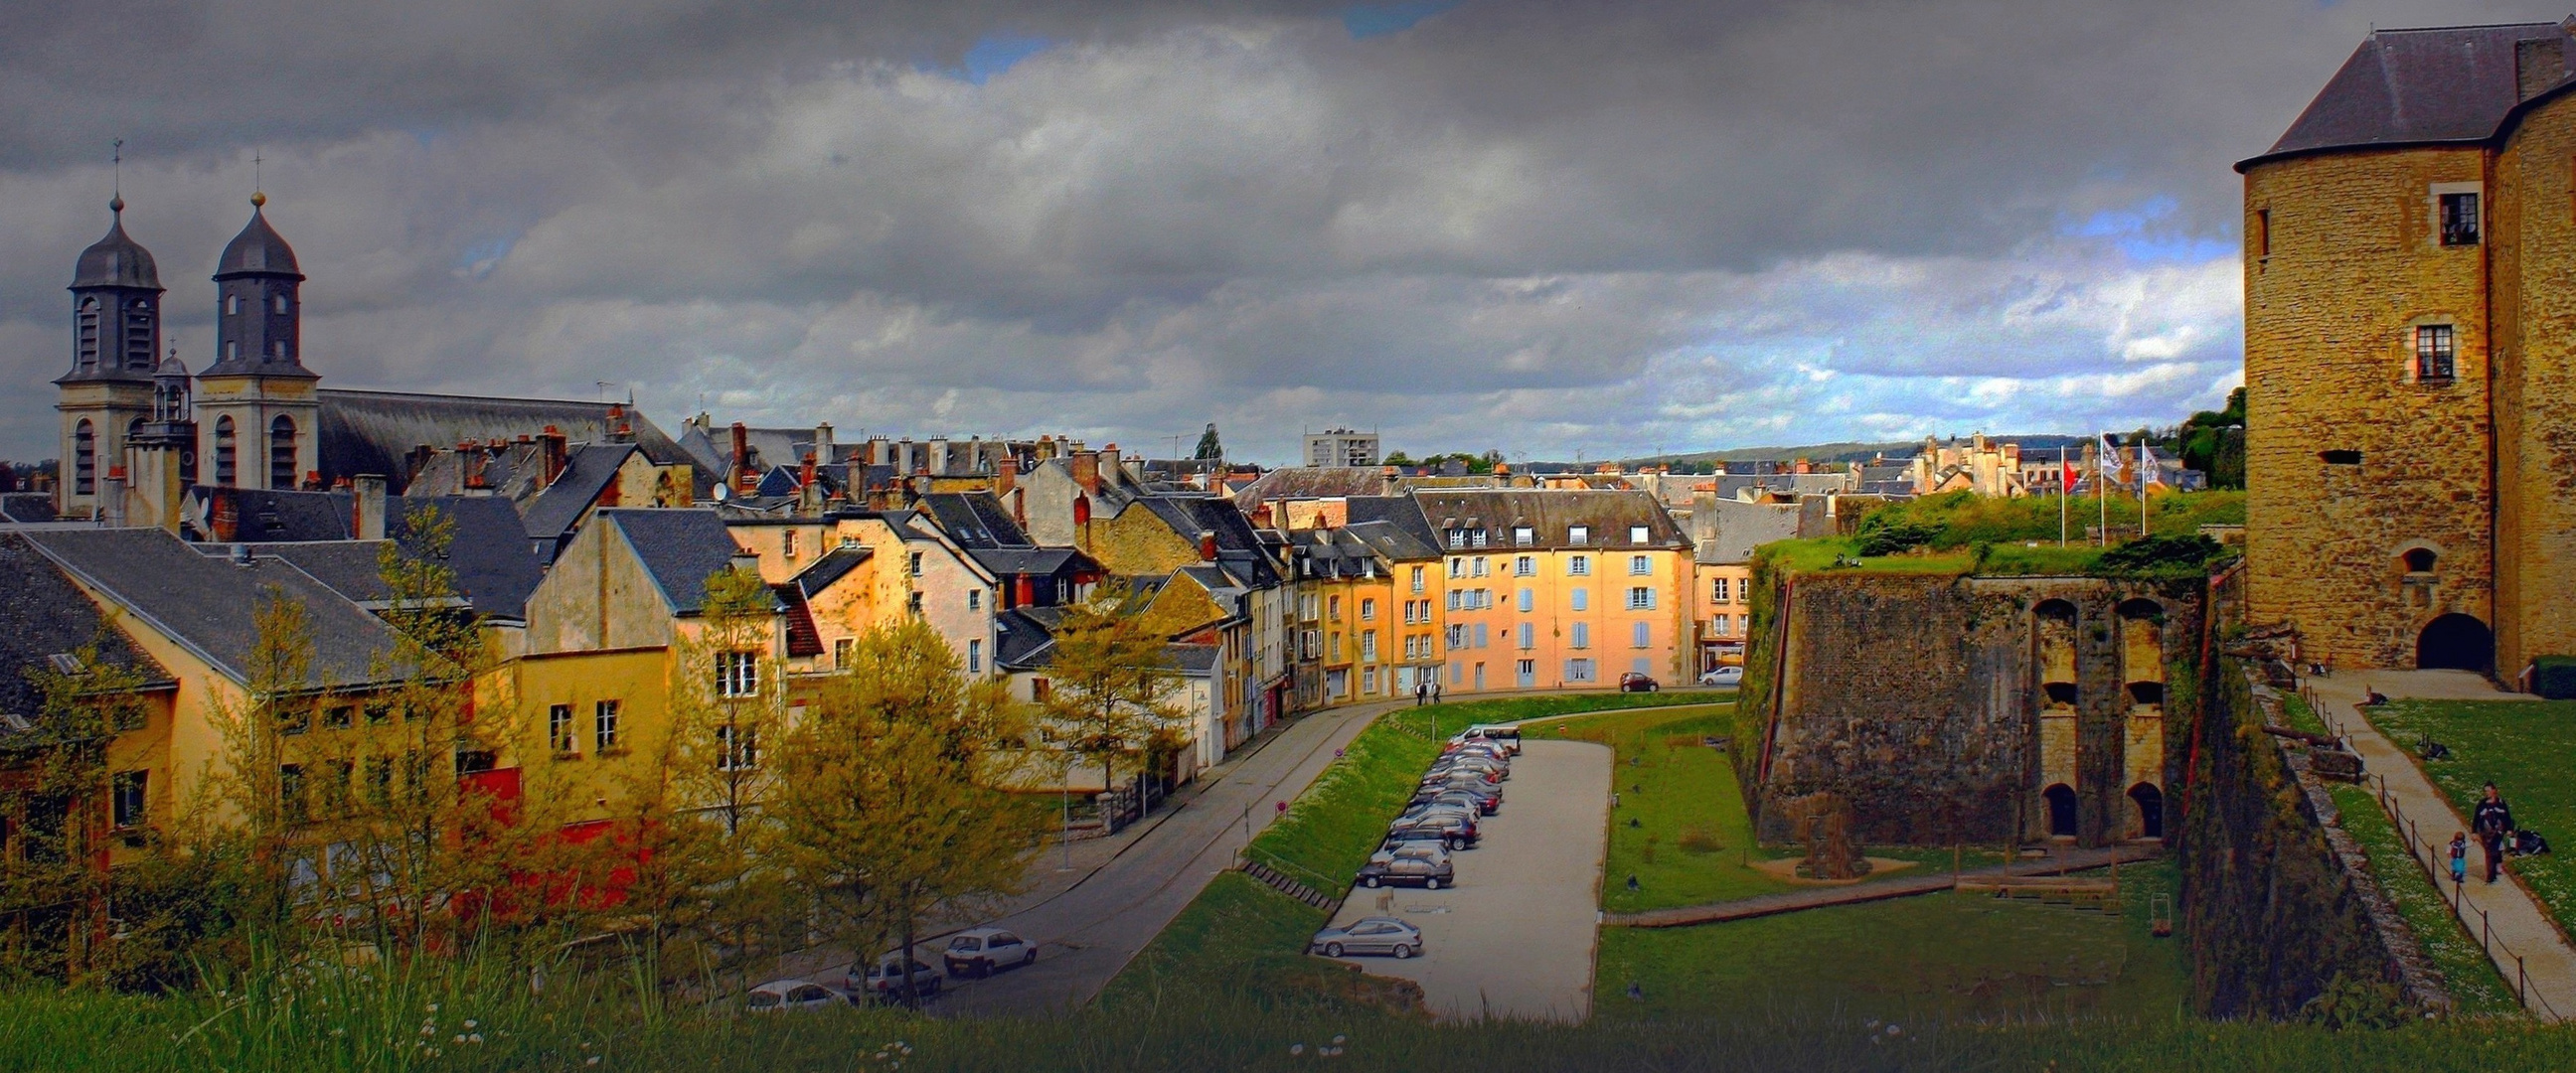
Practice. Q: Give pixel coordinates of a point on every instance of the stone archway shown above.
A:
(2061, 810)
(2150, 803)
(2455, 642)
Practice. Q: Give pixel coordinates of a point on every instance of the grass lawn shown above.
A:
(2472, 976)
(1940, 957)
(2527, 749)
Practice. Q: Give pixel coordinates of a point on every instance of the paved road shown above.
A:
(2519, 925)
(1515, 938)
(1087, 933)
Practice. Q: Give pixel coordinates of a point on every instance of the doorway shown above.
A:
(2061, 810)
(2455, 642)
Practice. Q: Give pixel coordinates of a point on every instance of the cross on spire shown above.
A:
(116, 177)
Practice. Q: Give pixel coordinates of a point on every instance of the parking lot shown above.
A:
(1515, 937)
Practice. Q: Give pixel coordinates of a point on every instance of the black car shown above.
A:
(1633, 682)
(1408, 871)
(1453, 830)
(1485, 805)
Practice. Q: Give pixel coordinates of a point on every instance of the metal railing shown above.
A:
(2457, 897)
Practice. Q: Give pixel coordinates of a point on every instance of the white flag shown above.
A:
(2110, 460)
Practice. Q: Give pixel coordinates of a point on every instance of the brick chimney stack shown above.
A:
(1207, 545)
(805, 473)
(824, 449)
(745, 478)
(1086, 472)
(556, 454)
(1109, 462)
(1006, 475)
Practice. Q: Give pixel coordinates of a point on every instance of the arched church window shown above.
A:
(225, 452)
(87, 357)
(84, 459)
(232, 305)
(280, 300)
(281, 452)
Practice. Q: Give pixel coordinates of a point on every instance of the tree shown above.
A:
(888, 812)
(1209, 448)
(1112, 685)
(57, 888)
(1399, 458)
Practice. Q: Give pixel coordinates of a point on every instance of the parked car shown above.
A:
(1476, 758)
(883, 980)
(1489, 751)
(1414, 838)
(1490, 770)
(1484, 806)
(1633, 682)
(1432, 850)
(1723, 676)
(1507, 735)
(780, 996)
(982, 950)
(1455, 831)
(1408, 871)
(1472, 787)
(1369, 935)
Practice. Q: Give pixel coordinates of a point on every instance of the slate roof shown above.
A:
(372, 431)
(41, 614)
(679, 548)
(116, 261)
(1007, 562)
(31, 507)
(495, 567)
(1194, 661)
(1312, 482)
(347, 567)
(1236, 542)
(1022, 634)
(2425, 86)
(267, 517)
(974, 519)
(1401, 512)
(1550, 513)
(257, 251)
(833, 566)
(210, 605)
(589, 469)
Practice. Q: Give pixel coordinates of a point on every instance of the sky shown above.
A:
(1560, 230)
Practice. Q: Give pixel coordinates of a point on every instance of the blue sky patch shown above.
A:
(2140, 234)
(996, 53)
(1365, 21)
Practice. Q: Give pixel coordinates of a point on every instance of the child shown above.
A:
(2459, 858)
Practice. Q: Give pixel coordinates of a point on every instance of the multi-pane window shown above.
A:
(1333, 607)
(737, 748)
(340, 717)
(1641, 565)
(1476, 538)
(1525, 565)
(1457, 538)
(842, 650)
(1368, 646)
(915, 564)
(974, 657)
(1527, 670)
(787, 543)
(737, 674)
(1523, 535)
(127, 791)
(603, 727)
(1579, 566)
(2435, 358)
(2460, 219)
(291, 801)
(559, 729)
(1368, 609)
(1417, 581)
(974, 599)
(1717, 590)
(1480, 567)
(1725, 625)
(1641, 598)
(912, 602)
(1578, 670)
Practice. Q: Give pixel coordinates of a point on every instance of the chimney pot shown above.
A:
(367, 507)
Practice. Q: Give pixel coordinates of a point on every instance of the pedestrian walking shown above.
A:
(2459, 858)
(1435, 692)
(1421, 693)
(2492, 820)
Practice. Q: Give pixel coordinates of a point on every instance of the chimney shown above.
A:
(1801, 466)
(1109, 463)
(805, 473)
(1086, 472)
(472, 460)
(621, 430)
(2538, 64)
(367, 507)
(745, 478)
(1006, 474)
(823, 449)
(111, 498)
(555, 455)
(1207, 545)
(1386, 481)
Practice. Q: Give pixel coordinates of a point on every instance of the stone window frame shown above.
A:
(2410, 346)
(2406, 570)
(2434, 193)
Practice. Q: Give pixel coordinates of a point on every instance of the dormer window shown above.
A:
(1637, 534)
(1578, 535)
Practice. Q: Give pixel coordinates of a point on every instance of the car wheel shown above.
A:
(1431, 884)
(1031, 957)
(1402, 952)
(1332, 950)
(1371, 883)
(983, 968)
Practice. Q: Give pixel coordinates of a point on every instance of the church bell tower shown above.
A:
(256, 410)
(106, 398)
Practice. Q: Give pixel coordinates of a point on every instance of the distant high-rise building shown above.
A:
(1341, 447)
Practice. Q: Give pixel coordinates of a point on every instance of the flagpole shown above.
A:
(2101, 488)
(2144, 453)
(2063, 493)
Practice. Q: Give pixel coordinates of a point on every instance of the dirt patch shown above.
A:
(1785, 869)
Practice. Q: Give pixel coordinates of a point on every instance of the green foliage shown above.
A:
(1884, 534)
(2159, 556)
(1678, 790)
(2466, 970)
(2554, 677)
(2526, 748)
(1113, 686)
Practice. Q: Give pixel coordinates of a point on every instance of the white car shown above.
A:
(1723, 676)
(1430, 851)
(779, 996)
(979, 951)
(883, 981)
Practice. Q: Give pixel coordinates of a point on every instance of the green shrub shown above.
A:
(2554, 677)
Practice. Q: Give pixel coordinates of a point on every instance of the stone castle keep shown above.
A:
(1965, 709)
(2410, 355)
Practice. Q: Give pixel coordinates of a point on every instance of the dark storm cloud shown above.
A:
(1533, 225)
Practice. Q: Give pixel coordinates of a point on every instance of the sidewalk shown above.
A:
(2058, 862)
(2516, 931)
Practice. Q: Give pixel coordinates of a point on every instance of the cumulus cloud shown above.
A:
(1543, 227)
